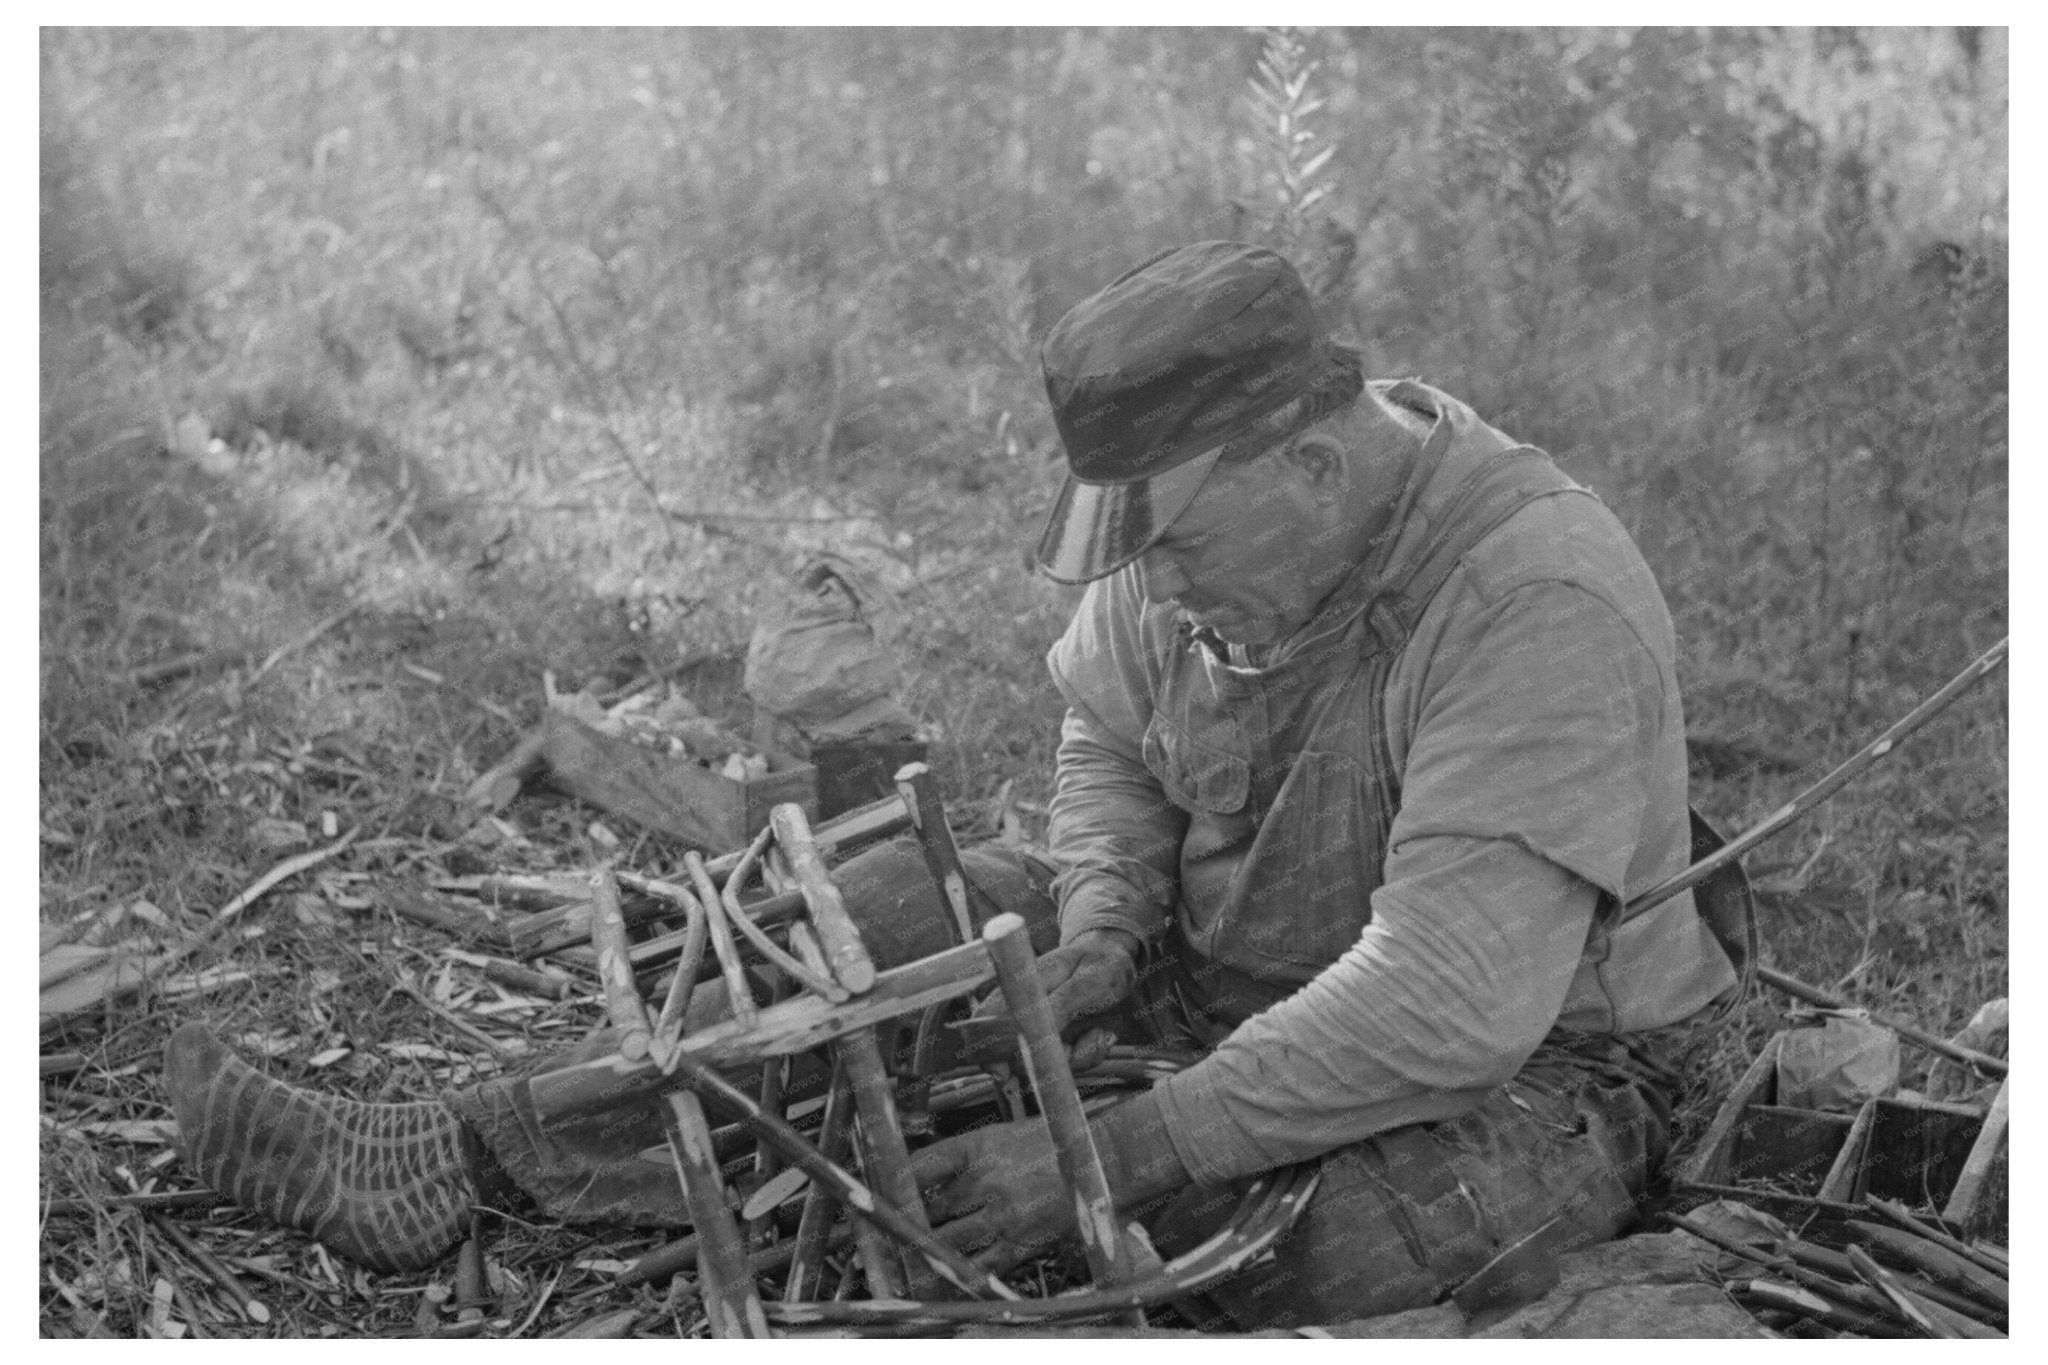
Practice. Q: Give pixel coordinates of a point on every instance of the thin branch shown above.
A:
(673, 513)
(290, 867)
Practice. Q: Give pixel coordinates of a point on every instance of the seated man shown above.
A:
(1372, 726)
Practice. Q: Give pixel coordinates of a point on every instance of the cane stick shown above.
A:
(768, 912)
(879, 1263)
(1901, 1215)
(803, 940)
(774, 1081)
(736, 915)
(1962, 1200)
(1937, 1263)
(838, 1181)
(728, 953)
(1052, 1079)
(730, 1300)
(1826, 787)
(1824, 1261)
(1812, 995)
(920, 792)
(834, 1133)
(861, 825)
(851, 964)
(245, 1301)
(1858, 1296)
(881, 1137)
(1887, 1284)
(615, 968)
(668, 1029)
(1809, 1303)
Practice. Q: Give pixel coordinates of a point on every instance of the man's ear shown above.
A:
(1318, 457)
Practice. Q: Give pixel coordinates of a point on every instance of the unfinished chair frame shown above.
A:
(837, 1000)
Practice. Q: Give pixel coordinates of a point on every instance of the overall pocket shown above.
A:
(1198, 776)
(1304, 893)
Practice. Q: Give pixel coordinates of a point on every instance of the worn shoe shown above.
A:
(387, 1185)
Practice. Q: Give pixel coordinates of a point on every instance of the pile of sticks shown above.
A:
(1897, 1275)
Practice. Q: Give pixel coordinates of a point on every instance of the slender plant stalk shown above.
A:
(1820, 791)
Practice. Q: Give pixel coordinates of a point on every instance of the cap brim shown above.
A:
(1097, 528)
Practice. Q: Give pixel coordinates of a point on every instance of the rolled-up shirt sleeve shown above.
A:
(1454, 983)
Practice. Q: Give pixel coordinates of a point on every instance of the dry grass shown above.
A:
(428, 324)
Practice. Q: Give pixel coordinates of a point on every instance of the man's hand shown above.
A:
(1087, 977)
(996, 1192)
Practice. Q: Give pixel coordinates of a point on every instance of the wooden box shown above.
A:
(1806, 1165)
(673, 795)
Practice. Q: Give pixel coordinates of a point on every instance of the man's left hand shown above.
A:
(996, 1192)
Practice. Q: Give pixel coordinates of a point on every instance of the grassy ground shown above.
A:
(366, 353)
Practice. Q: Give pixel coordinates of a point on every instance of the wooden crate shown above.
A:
(1808, 1166)
(673, 795)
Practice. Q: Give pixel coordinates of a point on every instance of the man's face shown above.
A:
(1259, 548)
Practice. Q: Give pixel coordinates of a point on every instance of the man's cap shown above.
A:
(1154, 376)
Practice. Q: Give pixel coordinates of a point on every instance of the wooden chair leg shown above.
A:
(920, 792)
(730, 1299)
(874, 1100)
(728, 1286)
(1052, 1080)
(835, 1135)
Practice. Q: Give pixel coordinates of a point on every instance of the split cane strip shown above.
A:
(737, 916)
(1052, 1079)
(920, 792)
(1269, 1209)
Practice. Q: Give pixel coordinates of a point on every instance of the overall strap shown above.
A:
(1492, 493)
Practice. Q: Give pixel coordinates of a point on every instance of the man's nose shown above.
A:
(1163, 577)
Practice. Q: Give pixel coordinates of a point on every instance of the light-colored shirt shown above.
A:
(1534, 720)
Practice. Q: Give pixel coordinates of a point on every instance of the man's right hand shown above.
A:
(1089, 976)
(1084, 980)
